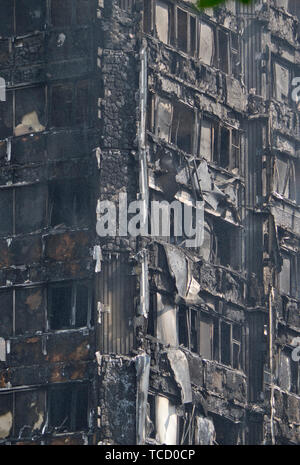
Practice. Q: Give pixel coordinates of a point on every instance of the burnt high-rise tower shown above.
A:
(138, 340)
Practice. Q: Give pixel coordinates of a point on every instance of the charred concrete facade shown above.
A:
(146, 340)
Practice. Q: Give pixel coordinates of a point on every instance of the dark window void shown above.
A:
(231, 337)
(82, 304)
(196, 331)
(227, 432)
(225, 343)
(235, 56)
(183, 127)
(70, 305)
(30, 208)
(223, 44)
(82, 103)
(22, 210)
(294, 376)
(150, 417)
(147, 12)
(182, 30)
(84, 11)
(226, 146)
(62, 105)
(186, 32)
(67, 12)
(126, 4)
(6, 116)
(30, 413)
(193, 325)
(60, 306)
(235, 149)
(68, 407)
(30, 15)
(255, 433)
(6, 211)
(193, 35)
(225, 248)
(70, 104)
(6, 313)
(61, 12)
(151, 328)
(29, 310)
(69, 203)
(6, 18)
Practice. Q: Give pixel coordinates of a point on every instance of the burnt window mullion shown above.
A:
(217, 49)
(148, 16)
(90, 307)
(188, 32)
(73, 304)
(189, 328)
(230, 152)
(74, 102)
(176, 26)
(73, 12)
(217, 148)
(73, 407)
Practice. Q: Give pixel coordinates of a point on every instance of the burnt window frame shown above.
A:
(73, 409)
(12, 295)
(221, 62)
(149, 21)
(232, 343)
(174, 105)
(47, 395)
(11, 101)
(234, 133)
(215, 225)
(73, 17)
(234, 162)
(45, 289)
(13, 190)
(294, 273)
(73, 309)
(77, 223)
(73, 185)
(292, 71)
(12, 395)
(186, 427)
(294, 370)
(191, 51)
(126, 5)
(291, 176)
(188, 333)
(14, 27)
(73, 86)
(213, 130)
